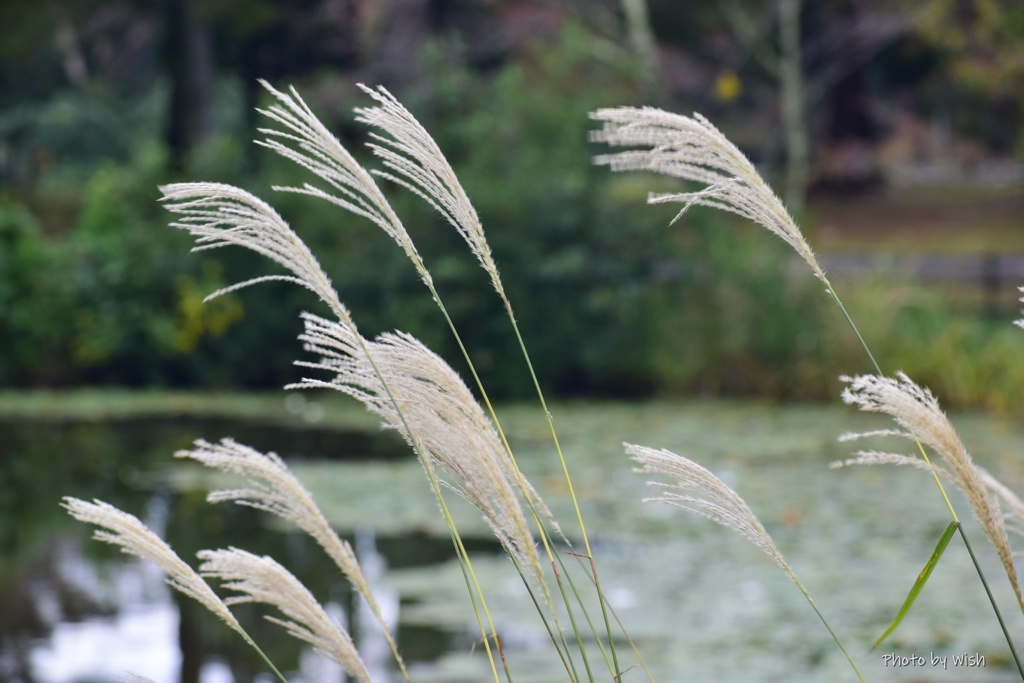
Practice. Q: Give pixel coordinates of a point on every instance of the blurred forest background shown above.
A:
(895, 131)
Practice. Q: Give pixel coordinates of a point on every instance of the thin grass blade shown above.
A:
(922, 579)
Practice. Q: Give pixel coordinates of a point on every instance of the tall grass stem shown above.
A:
(992, 600)
(521, 481)
(824, 621)
(467, 566)
(568, 480)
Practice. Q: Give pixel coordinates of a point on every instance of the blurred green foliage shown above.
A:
(33, 297)
(981, 45)
(612, 299)
(966, 357)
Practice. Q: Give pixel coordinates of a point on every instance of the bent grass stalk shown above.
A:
(917, 411)
(919, 584)
(693, 149)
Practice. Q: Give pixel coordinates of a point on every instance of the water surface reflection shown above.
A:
(72, 610)
(696, 599)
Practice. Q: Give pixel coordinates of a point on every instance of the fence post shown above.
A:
(991, 282)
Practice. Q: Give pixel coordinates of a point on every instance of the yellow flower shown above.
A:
(727, 86)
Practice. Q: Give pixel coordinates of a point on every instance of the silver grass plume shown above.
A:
(262, 580)
(691, 148)
(258, 227)
(886, 458)
(440, 411)
(219, 215)
(309, 143)
(916, 410)
(695, 489)
(1014, 514)
(273, 488)
(414, 160)
(417, 163)
(127, 531)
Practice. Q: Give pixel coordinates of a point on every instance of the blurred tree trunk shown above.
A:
(189, 59)
(402, 27)
(72, 59)
(791, 82)
(190, 643)
(641, 36)
(808, 70)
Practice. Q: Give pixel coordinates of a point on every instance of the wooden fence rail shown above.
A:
(995, 275)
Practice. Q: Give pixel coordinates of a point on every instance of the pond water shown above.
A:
(700, 603)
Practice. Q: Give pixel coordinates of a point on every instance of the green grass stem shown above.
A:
(252, 643)
(521, 482)
(921, 580)
(613, 665)
(992, 600)
(824, 621)
(568, 480)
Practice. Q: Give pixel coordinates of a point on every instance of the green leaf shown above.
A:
(922, 579)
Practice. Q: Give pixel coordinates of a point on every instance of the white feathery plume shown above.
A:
(695, 489)
(262, 580)
(311, 145)
(418, 164)
(438, 408)
(1014, 514)
(917, 411)
(691, 148)
(127, 531)
(884, 458)
(219, 215)
(275, 489)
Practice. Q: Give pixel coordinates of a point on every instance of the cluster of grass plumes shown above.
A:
(459, 440)
(694, 150)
